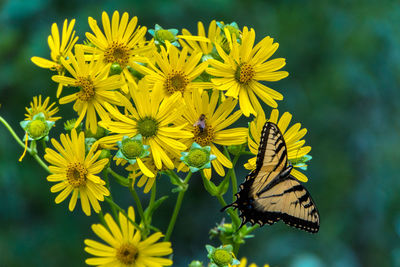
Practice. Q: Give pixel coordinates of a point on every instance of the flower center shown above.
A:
(37, 128)
(203, 136)
(147, 127)
(117, 52)
(76, 174)
(127, 253)
(165, 35)
(244, 73)
(87, 88)
(132, 148)
(197, 157)
(176, 81)
(222, 257)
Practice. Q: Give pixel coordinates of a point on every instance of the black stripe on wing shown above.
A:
(270, 129)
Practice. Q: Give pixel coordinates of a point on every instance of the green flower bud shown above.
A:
(235, 149)
(132, 148)
(221, 256)
(198, 157)
(69, 125)
(115, 69)
(196, 264)
(161, 35)
(101, 132)
(105, 154)
(134, 72)
(38, 127)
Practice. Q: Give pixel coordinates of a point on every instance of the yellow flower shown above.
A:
(207, 122)
(95, 88)
(120, 42)
(243, 263)
(58, 50)
(206, 47)
(174, 71)
(292, 137)
(124, 246)
(76, 173)
(244, 67)
(36, 106)
(153, 117)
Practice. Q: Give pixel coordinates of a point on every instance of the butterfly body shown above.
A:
(270, 193)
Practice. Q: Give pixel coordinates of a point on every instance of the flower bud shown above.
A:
(115, 69)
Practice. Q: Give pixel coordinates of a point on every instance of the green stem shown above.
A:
(234, 216)
(106, 178)
(120, 179)
(12, 132)
(152, 196)
(178, 205)
(19, 141)
(44, 145)
(138, 204)
(101, 218)
(232, 172)
(112, 203)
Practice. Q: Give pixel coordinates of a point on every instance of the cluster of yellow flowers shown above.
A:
(153, 100)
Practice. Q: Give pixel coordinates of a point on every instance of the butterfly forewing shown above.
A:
(271, 157)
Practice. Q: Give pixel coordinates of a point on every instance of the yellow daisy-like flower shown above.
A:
(95, 88)
(36, 106)
(76, 173)
(186, 40)
(174, 71)
(124, 247)
(207, 122)
(58, 49)
(121, 41)
(153, 118)
(243, 263)
(292, 137)
(244, 67)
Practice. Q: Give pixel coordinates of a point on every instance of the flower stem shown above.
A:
(138, 204)
(152, 196)
(101, 218)
(120, 179)
(234, 216)
(112, 203)
(114, 211)
(178, 205)
(12, 132)
(232, 172)
(33, 153)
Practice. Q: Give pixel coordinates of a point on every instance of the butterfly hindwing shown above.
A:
(270, 193)
(290, 201)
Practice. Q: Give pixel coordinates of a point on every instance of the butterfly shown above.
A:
(270, 193)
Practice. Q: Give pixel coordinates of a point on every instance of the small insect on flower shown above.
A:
(201, 123)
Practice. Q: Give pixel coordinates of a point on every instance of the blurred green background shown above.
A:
(344, 63)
